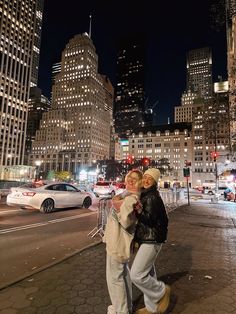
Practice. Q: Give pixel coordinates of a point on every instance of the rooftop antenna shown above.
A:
(90, 25)
(168, 121)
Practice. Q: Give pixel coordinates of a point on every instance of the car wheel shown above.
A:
(47, 206)
(87, 202)
(113, 193)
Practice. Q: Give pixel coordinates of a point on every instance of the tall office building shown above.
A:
(76, 131)
(36, 43)
(38, 104)
(20, 37)
(129, 99)
(211, 131)
(184, 113)
(56, 68)
(199, 72)
(231, 61)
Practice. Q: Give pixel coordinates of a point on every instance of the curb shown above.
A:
(39, 270)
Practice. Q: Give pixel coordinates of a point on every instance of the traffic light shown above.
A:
(129, 159)
(186, 172)
(145, 161)
(214, 155)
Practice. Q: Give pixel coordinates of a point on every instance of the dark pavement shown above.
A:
(198, 262)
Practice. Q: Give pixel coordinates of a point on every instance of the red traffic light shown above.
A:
(145, 161)
(129, 159)
(214, 155)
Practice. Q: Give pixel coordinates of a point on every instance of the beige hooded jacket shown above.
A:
(120, 229)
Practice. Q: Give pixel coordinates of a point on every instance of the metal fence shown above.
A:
(171, 199)
(104, 208)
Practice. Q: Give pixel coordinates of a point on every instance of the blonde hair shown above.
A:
(139, 174)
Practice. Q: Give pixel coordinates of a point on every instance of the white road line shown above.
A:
(40, 224)
(9, 211)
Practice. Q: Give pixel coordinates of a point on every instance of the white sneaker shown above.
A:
(111, 310)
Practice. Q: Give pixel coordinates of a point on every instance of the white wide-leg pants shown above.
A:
(143, 275)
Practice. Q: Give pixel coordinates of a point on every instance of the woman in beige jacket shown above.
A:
(118, 236)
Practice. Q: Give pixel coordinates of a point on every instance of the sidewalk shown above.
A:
(198, 262)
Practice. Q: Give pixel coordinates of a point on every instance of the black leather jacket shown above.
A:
(152, 223)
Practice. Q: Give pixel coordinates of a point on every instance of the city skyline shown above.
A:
(172, 32)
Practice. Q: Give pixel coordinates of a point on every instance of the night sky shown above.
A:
(172, 27)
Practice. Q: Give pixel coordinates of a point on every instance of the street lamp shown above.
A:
(37, 167)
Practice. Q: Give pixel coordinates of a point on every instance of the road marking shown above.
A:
(9, 211)
(40, 224)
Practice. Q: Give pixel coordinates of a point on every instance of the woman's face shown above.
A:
(148, 181)
(133, 181)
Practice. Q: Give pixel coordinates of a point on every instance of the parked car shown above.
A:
(103, 188)
(47, 197)
(221, 190)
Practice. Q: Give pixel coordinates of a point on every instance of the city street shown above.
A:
(30, 240)
(198, 262)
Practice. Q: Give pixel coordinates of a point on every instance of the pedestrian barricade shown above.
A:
(104, 208)
(172, 198)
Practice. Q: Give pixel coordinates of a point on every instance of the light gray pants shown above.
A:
(143, 275)
(119, 285)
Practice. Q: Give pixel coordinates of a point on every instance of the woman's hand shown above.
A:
(138, 207)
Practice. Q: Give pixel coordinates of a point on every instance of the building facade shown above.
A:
(199, 83)
(75, 133)
(19, 51)
(172, 142)
(184, 113)
(211, 133)
(199, 72)
(129, 98)
(37, 43)
(38, 104)
(231, 63)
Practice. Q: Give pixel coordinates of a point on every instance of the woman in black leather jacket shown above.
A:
(151, 232)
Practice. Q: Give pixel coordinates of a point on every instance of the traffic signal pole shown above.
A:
(188, 190)
(186, 174)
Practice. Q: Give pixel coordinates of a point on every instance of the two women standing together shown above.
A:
(138, 217)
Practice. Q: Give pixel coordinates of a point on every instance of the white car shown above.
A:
(48, 197)
(102, 188)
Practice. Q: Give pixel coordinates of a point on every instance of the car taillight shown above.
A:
(28, 193)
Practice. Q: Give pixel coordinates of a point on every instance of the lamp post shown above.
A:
(37, 167)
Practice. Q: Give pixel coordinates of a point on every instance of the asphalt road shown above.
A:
(30, 240)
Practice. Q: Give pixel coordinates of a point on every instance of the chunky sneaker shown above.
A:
(111, 310)
(163, 304)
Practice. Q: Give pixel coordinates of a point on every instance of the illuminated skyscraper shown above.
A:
(76, 131)
(19, 54)
(56, 68)
(37, 42)
(231, 61)
(38, 104)
(129, 101)
(199, 72)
